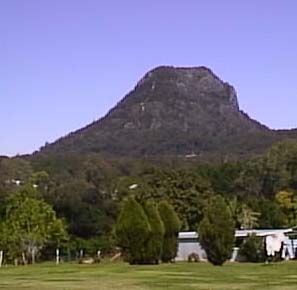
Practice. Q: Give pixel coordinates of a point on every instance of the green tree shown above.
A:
(132, 231)
(186, 191)
(87, 212)
(8, 242)
(248, 218)
(154, 244)
(235, 208)
(216, 231)
(271, 216)
(172, 226)
(252, 249)
(30, 224)
(287, 201)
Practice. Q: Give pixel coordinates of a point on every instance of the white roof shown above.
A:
(240, 233)
(261, 232)
(187, 235)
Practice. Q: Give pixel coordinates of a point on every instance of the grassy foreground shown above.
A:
(174, 276)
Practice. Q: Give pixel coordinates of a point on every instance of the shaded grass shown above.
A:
(177, 276)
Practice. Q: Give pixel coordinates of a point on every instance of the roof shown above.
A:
(187, 235)
(240, 233)
(261, 232)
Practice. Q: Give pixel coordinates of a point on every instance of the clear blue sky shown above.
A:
(65, 63)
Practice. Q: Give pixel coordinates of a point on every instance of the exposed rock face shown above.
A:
(172, 111)
(182, 99)
(186, 87)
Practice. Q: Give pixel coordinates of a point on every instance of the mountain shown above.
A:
(174, 111)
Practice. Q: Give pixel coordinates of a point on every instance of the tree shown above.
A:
(216, 231)
(281, 159)
(186, 191)
(272, 216)
(132, 231)
(172, 226)
(87, 211)
(154, 244)
(287, 201)
(248, 218)
(30, 224)
(8, 242)
(252, 249)
(235, 207)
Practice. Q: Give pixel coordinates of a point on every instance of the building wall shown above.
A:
(187, 247)
(188, 244)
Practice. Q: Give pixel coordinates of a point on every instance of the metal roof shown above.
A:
(240, 233)
(261, 232)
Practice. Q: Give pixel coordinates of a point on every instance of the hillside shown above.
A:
(174, 111)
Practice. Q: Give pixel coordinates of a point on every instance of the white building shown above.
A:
(188, 243)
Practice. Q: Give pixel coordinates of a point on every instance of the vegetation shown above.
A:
(86, 191)
(252, 249)
(172, 228)
(288, 203)
(178, 276)
(192, 147)
(132, 231)
(29, 224)
(216, 231)
(154, 244)
(147, 234)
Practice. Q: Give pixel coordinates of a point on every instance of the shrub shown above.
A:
(216, 231)
(172, 226)
(193, 257)
(252, 249)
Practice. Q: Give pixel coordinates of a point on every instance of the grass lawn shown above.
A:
(177, 276)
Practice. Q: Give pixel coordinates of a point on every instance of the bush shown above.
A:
(172, 226)
(132, 231)
(252, 249)
(216, 231)
(193, 257)
(154, 245)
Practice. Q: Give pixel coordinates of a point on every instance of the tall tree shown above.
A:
(154, 244)
(287, 201)
(132, 231)
(248, 218)
(216, 231)
(172, 226)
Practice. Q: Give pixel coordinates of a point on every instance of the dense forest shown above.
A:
(85, 191)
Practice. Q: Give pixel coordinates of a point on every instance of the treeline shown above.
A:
(260, 191)
(85, 191)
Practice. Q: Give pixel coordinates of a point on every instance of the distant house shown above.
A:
(188, 243)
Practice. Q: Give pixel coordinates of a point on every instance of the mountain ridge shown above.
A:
(173, 111)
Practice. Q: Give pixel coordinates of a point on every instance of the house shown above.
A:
(188, 243)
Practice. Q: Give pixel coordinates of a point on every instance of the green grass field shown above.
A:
(173, 276)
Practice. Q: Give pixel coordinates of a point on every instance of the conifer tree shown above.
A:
(154, 245)
(132, 231)
(172, 226)
(216, 231)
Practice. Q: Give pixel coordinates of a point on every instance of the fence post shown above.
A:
(57, 256)
(1, 258)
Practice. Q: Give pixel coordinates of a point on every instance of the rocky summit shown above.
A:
(174, 112)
